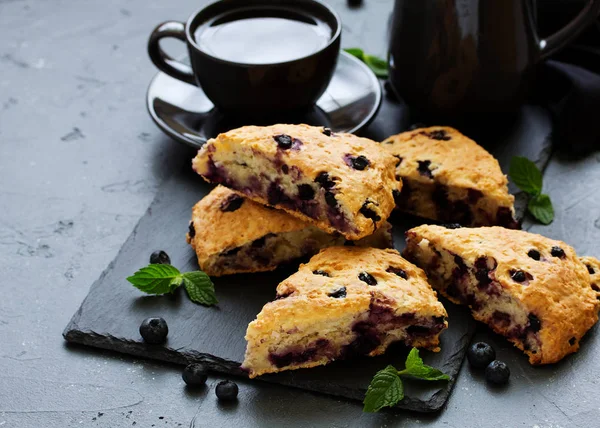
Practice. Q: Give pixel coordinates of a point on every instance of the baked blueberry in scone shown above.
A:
(449, 178)
(338, 182)
(232, 234)
(345, 302)
(593, 267)
(529, 288)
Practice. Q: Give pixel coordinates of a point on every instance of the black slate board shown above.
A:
(110, 315)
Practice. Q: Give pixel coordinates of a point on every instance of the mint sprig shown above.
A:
(386, 388)
(163, 279)
(377, 65)
(527, 177)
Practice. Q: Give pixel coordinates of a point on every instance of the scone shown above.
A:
(449, 178)
(338, 182)
(232, 234)
(529, 288)
(346, 301)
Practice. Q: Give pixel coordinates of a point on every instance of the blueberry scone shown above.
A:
(531, 289)
(232, 234)
(338, 182)
(449, 178)
(345, 302)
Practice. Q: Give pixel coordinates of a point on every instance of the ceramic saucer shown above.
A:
(184, 112)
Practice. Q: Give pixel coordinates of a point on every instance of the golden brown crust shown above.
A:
(456, 162)
(315, 153)
(344, 264)
(224, 221)
(306, 311)
(558, 290)
(217, 230)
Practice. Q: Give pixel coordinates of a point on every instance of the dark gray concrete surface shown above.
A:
(80, 161)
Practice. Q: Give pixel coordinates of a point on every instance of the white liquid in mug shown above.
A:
(262, 40)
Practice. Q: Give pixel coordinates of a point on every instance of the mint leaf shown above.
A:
(200, 288)
(163, 279)
(357, 52)
(377, 65)
(526, 175)
(385, 390)
(156, 279)
(541, 208)
(416, 368)
(528, 178)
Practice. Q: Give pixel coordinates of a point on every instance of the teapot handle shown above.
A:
(562, 37)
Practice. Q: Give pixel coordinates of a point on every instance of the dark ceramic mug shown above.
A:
(457, 56)
(242, 87)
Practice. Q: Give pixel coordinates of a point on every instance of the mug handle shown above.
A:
(163, 61)
(566, 34)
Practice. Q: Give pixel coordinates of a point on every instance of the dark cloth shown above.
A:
(570, 81)
(572, 93)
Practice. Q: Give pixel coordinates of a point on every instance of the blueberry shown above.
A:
(232, 203)
(368, 212)
(480, 354)
(534, 323)
(359, 163)
(275, 194)
(306, 192)
(367, 277)
(439, 135)
(557, 252)
(320, 272)
(325, 181)
(257, 243)
(338, 293)
(501, 318)
(473, 195)
(497, 372)
(482, 273)
(452, 226)
(330, 199)
(283, 141)
(534, 254)
(327, 132)
(232, 252)
(160, 258)
(154, 330)
(227, 390)
(195, 374)
(191, 231)
(590, 269)
(397, 271)
(461, 267)
(518, 275)
(418, 330)
(504, 218)
(285, 169)
(423, 168)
